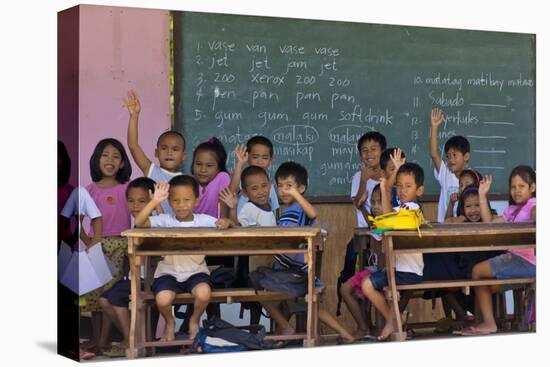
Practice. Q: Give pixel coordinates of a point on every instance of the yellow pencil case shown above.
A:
(404, 219)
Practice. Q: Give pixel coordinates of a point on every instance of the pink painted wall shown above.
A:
(67, 85)
(122, 49)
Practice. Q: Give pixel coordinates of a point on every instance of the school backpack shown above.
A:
(292, 280)
(218, 336)
(350, 265)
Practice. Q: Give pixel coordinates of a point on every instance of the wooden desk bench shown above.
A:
(143, 243)
(445, 238)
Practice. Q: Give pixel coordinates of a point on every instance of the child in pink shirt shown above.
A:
(514, 263)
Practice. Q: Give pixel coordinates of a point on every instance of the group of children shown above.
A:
(212, 197)
(386, 183)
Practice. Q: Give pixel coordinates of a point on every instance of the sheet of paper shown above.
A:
(63, 258)
(100, 263)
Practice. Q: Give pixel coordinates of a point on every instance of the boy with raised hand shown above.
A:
(457, 152)
(180, 273)
(257, 152)
(170, 149)
(370, 147)
(408, 267)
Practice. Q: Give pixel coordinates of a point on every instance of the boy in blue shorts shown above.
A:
(180, 273)
(292, 181)
(408, 267)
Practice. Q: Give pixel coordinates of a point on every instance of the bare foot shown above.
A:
(287, 331)
(360, 333)
(484, 328)
(193, 329)
(386, 331)
(169, 332)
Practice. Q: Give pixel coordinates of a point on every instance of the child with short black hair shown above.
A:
(115, 300)
(257, 211)
(408, 267)
(292, 182)
(170, 149)
(370, 147)
(457, 152)
(180, 273)
(257, 152)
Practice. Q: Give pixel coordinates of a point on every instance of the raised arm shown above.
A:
(486, 215)
(436, 120)
(398, 160)
(161, 194)
(385, 193)
(134, 108)
(241, 156)
(306, 205)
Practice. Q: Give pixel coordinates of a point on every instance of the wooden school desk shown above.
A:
(467, 237)
(146, 242)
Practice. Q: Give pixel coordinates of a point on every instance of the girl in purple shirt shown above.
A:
(208, 168)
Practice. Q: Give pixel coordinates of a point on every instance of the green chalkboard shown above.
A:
(314, 87)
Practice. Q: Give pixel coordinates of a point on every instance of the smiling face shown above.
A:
(472, 210)
(257, 189)
(110, 161)
(170, 152)
(370, 153)
(205, 166)
(137, 198)
(456, 161)
(259, 156)
(521, 191)
(182, 200)
(407, 190)
(287, 183)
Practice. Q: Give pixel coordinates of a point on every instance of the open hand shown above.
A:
(241, 155)
(397, 158)
(485, 185)
(228, 197)
(161, 191)
(436, 117)
(132, 103)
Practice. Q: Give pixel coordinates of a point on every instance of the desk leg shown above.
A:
(311, 314)
(390, 269)
(135, 298)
